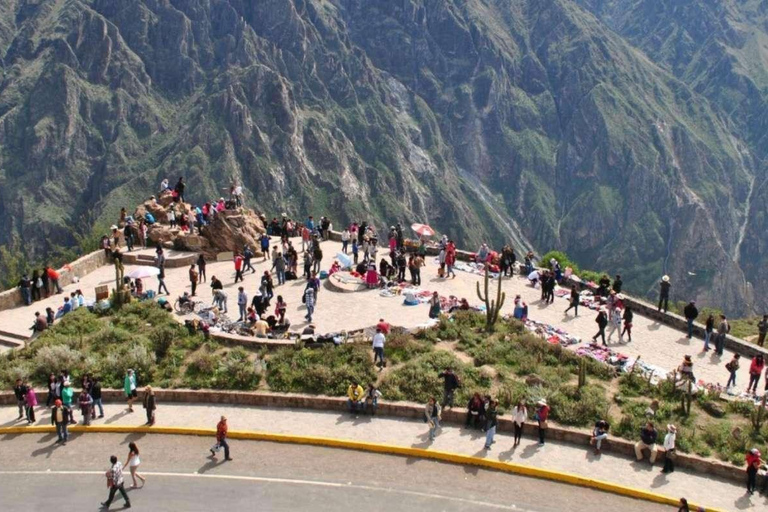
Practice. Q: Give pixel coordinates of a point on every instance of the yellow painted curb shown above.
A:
(453, 458)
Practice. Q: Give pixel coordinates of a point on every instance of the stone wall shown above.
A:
(402, 410)
(77, 269)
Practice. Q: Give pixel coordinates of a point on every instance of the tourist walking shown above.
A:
(309, 301)
(602, 322)
(280, 268)
(574, 301)
(432, 412)
(160, 264)
(60, 416)
(755, 369)
(732, 366)
(519, 417)
(648, 436)
(221, 439)
(615, 323)
(193, 278)
(150, 405)
(491, 421)
(129, 388)
(542, 413)
(242, 302)
(450, 384)
(238, 267)
(116, 483)
(664, 287)
(133, 463)
(599, 434)
(378, 349)
(669, 449)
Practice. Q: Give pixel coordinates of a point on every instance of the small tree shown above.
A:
(492, 307)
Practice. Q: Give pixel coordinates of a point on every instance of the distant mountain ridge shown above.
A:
(548, 123)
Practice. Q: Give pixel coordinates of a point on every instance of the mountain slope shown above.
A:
(495, 120)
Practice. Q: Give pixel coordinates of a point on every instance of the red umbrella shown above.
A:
(423, 230)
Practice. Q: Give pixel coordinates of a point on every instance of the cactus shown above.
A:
(758, 415)
(492, 307)
(582, 372)
(687, 399)
(119, 273)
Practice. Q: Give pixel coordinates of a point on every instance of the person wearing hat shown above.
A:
(691, 312)
(60, 416)
(664, 287)
(541, 415)
(669, 449)
(686, 369)
(602, 323)
(753, 464)
(129, 387)
(221, 439)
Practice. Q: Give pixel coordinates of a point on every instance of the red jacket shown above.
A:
(238, 262)
(543, 413)
(450, 254)
(755, 368)
(52, 274)
(221, 430)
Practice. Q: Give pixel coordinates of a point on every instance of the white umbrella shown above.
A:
(423, 230)
(142, 272)
(345, 260)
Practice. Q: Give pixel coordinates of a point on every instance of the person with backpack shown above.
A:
(317, 258)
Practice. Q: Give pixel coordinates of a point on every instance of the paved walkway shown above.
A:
(656, 343)
(563, 457)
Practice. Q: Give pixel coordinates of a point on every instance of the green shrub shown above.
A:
(53, 359)
(401, 346)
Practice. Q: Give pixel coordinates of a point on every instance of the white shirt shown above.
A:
(345, 236)
(669, 441)
(378, 340)
(519, 415)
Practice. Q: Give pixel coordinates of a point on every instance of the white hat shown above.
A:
(672, 428)
(620, 296)
(541, 402)
(112, 227)
(665, 279)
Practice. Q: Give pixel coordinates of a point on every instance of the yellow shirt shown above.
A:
(355, 393)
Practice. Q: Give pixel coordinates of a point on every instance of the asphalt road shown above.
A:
(38, 475)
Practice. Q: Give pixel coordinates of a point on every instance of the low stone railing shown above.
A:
(402, 410)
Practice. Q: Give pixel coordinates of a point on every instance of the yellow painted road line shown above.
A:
(454, 458)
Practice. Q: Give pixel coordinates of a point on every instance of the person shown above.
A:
(280, 308)
(280, 269)
(355, 397)
(434, 306)
(30, 402)
(133, 463)
(669, 449)
(599, 434)
(51, 387)
(238, 267)
(116, 483)
(574, 302)
(53, 279)
(722, 331)
(96, 395)
(690, 312)
(709, 327)
(25, 287)
(683, 505)
(309, 302)
(753, 464)
(20, 393)
(150, 405)
(201, 263)
(372, 395)
(160, 264)
(732, 366)
(647, 441)
(475, 411)
(628, 316)
(345, 238)
(615, 323)
(617, 284)
(450, 384)
(355, 251)
(542, 413)
(755, 369)
(67, 397)
(86, 403)
(317, 257)
(450, 259)
(129, 388)
(762, 329)
(242, 302)
(686, 369)
(247, 256)
(221, 439)
(60, 416)
(432, 412)
(378, 349)
(491, 421)
(519, 417)
(193, 278)
(179, 189)
(602, 322)
(50, 316)
(664, 287)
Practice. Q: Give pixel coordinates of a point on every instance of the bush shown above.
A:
(401, 346)
(53, 359)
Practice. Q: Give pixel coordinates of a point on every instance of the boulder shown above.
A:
(713, 408)
(231, 230)
(160, 234)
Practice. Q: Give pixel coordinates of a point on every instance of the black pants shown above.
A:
(600, 333)
(665, 301)
(753, 380)
(238, 275)
(151, 416)
(161, 286)
(248, 266)
(518, 432)
(669, 464)
(378, 354)
(473, 420)
(202, 277)
(448, 397)
(400, 274)
(542, 434)
(30, 413)
(113, 490)
(194, 287)
(575, 307)
(36, 293)
(417, 276)
(223, 443)
(751, 479)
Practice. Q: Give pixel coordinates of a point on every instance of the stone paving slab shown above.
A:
(656, 343)
(555, 456)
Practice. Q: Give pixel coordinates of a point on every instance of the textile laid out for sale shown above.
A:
(552, 334)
